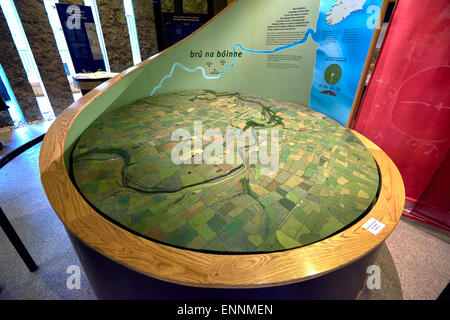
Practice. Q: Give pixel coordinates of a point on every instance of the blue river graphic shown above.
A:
(179, 65)
(344, 44)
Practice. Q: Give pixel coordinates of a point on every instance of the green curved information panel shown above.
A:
(159, 167)
(310, 52)
(279, 49)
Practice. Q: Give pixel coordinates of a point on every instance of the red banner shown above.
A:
(406, 108)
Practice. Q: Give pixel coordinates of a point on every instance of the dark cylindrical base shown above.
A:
(111, 280)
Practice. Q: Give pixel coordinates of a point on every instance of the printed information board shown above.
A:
(81, 36)
(310, 52)
(179, 26)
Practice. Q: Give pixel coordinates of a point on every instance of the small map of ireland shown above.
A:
(342, 9)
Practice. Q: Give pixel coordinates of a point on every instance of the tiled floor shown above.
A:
(12, 139)
(422, 261)
(26, 206)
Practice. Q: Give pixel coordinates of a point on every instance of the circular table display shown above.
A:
(313, 181)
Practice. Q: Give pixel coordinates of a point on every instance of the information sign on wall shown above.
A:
(81, 36)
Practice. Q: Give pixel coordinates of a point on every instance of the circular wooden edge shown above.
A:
(204, 269)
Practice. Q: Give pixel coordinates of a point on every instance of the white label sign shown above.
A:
(373, 226)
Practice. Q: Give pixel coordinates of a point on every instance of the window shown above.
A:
(62, 45)
(29, 64)
(93, 5)
(10, 100)
(131, 22)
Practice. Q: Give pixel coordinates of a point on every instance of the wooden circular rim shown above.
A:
(207, 269)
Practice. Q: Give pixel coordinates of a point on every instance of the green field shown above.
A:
(326, 178)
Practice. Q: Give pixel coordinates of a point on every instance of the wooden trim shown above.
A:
(362, 81)
(204, 269)
(213, 270)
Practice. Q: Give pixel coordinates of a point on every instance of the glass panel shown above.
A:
(61, 44)
(131, 22)
(93, 5)
(14, 109)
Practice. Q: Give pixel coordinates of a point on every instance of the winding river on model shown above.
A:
(326, 178)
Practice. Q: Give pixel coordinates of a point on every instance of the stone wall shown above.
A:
(77, 2)
(115, 33)
(5, 119)
(145, 25)
(12, 65)
(195, 6)
(43, 45)
(189, 6)
(168, 5)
